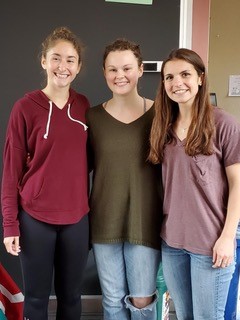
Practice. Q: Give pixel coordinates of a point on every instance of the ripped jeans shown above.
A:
(125, 271)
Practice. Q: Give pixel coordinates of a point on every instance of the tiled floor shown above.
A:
(92, 316)
(92, 309)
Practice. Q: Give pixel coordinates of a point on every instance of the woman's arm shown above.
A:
(15, 160)
(223, 251)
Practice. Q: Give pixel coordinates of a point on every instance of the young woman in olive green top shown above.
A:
(125, 198)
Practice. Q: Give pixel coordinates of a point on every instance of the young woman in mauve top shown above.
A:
(198, 146)
(125, 199)
(45, 183)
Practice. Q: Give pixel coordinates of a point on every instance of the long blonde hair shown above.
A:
(201, 130)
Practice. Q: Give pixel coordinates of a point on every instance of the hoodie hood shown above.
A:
(44, 102)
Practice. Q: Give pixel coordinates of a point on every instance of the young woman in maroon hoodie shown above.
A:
(45, 183)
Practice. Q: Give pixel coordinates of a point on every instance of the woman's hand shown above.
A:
(223, 252)
(12, 245)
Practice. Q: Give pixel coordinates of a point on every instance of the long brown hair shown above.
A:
(201, 130)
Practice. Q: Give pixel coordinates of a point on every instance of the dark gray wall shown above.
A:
(24, 24)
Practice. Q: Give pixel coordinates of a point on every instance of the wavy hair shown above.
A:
(202, 128)
(122, 44)
(65, 34)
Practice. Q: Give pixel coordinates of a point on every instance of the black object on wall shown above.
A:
(24, 24)
(213, 98)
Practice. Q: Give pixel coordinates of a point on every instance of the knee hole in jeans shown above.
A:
(142, 302)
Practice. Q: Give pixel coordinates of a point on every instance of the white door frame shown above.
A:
(185, 28)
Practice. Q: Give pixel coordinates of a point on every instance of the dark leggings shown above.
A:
(48, 249)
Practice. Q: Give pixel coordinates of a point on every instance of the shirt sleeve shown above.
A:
(14, 164)
(231, 149)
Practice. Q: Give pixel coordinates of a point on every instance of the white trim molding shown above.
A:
(185, 28)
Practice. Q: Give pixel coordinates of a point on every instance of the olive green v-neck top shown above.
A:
(125, 202)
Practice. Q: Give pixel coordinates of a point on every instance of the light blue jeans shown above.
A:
(198, 291)
(232, 300)
(126, 270)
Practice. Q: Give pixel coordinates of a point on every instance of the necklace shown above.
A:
(184, 129)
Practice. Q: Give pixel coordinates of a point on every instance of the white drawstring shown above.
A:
(48, 122)
(69, 115)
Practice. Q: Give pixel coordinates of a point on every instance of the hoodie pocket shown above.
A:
(32, 189)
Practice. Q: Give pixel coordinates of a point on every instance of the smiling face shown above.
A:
(181, 81)
(122, 72)
(61, 64)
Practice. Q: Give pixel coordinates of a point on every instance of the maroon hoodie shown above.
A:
(45, 163)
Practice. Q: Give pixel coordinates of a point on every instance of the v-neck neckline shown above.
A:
(124, 123)
(179, 141)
